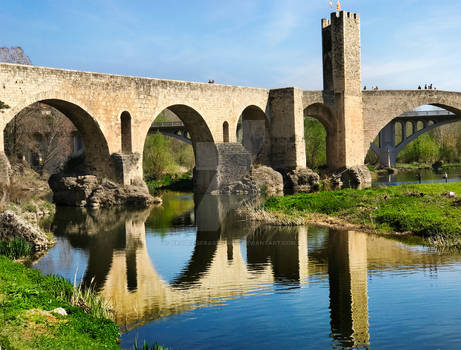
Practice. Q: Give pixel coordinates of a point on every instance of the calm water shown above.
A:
(410, 176)
(190, 276)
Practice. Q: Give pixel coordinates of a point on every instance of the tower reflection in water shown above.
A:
(229, 258)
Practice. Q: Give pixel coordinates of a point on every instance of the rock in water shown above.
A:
(13, 226)
(88, 191)
(261, 179)
(356, 177)
(267, 180)
(302, 180)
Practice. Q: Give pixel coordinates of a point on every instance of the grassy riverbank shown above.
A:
(26, 301)
(423, 210)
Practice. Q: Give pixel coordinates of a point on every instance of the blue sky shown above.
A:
(260, 43)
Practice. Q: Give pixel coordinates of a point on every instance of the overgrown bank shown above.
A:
(427, 210)
(26, 302)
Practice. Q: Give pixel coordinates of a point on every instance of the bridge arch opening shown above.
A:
(253, 132)
(318, 136)
(125, 121)
(180, 146)
(425, 134)
(63, 137)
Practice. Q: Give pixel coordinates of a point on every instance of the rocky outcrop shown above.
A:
(261, 179)
(13, 226)
(89, 191)
(356, 177)
(301, 180)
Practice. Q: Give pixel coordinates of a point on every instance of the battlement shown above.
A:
(344, 15)
(325, 23)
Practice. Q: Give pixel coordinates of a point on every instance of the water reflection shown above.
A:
(223, 259)
(347, 272)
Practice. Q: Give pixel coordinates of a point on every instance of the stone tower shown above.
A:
(342, 83)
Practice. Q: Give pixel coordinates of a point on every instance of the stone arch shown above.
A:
(97, 152)
(325, 116)
(125, 121)
(255, 132)
(225, 132)
(203, 144)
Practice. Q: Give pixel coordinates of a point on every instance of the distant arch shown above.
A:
(125, 121)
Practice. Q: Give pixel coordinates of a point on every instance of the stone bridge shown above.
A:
(114, 113)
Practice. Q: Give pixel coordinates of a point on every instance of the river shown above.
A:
(410, 176)
(191, 276)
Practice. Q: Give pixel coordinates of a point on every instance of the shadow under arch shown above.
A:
(325, 116)
(253, 129)
(203, 144)
(97, 153)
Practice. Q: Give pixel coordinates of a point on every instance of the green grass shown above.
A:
(26, 299)
(15, 249)
(413, 166)
(422, 210)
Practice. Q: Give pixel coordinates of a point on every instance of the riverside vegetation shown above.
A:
(27, 301)
(428, 210)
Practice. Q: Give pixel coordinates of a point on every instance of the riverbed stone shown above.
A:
(89, 191)
(261, 179)
(301, 180)
(59, 311)
(13, 226)
(356, 177)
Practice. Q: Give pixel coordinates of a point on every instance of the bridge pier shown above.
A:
(128, 168)
(288, 149)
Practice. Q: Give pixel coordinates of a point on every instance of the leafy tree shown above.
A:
(157, 159)
(315, 136)
(422, 150)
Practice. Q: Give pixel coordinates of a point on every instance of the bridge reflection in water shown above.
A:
(228, 259)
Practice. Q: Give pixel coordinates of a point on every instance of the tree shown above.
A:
(315, 138)
(157, 159)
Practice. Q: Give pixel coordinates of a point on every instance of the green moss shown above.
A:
(27, 298)
(423, 210)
